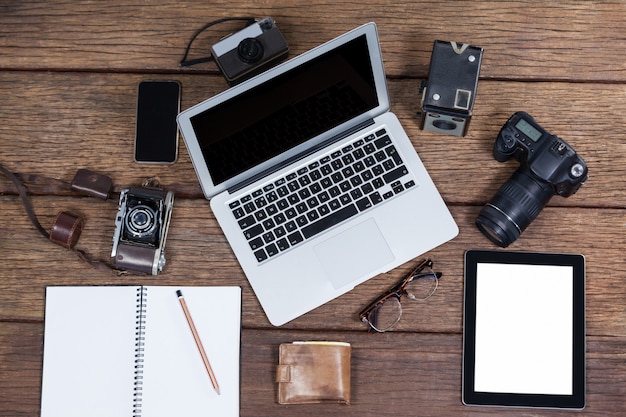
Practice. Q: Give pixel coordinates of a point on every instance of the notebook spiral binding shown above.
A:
(140, 330)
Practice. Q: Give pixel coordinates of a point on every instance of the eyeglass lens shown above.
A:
(386, 315)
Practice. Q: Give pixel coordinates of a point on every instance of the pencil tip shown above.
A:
(217, 389)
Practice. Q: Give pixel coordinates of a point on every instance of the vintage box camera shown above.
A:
(549, 166)
(247, 52)
(141, 229)
(449, 92)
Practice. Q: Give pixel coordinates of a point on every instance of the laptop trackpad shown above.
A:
(353, 253)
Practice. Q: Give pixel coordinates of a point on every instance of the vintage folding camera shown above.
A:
(249, 51)
(141, 229)
(449, 92)
(548, 166)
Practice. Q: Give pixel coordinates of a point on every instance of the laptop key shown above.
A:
(256, 243)
(246, 222)
(395, 174)
(330, 221)
(239, 212)
(282, 244)
(295, 238)
(271, 249)
(364, 204)
(382, 142)
(393, 154)
(260, 255)
(249, 207)
(253, 232)
(376, 197)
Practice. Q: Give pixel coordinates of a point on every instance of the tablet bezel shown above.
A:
(472, 397)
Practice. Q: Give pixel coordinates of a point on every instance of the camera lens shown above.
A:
(514, 206)
(444, 125)
(141, 221)
(250, 50)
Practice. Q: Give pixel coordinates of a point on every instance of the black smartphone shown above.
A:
(156, 133)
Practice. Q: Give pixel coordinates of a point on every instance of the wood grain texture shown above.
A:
(530, 39)
(198, 254)
(393, 374)
(61, 122)
(68, 77)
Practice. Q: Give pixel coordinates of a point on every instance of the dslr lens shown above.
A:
(250, 50)
(517, 203)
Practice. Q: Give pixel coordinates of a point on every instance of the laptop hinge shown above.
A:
(299, 156)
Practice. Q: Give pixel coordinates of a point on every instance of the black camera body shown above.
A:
(141, 227)
(247, 52)
(548, 166)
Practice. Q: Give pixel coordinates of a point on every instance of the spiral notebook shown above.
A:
(129, 351)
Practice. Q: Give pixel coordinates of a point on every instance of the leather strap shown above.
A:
(65, 230)
(21, 190)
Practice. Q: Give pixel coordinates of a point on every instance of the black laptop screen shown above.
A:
(287, 110)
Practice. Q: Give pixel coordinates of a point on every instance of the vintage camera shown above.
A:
(449, 91)
(141, 229)
(549, 166)
(247, 52)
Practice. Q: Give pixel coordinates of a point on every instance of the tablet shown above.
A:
(524, 329)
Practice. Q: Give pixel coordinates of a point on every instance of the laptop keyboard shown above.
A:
(320, 195)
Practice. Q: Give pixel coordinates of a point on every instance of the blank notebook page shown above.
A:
(89, 357)
(170, 346)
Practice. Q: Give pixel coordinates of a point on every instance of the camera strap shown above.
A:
(186, 63)
(66, 228)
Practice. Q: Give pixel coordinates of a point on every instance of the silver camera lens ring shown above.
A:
(141, 221)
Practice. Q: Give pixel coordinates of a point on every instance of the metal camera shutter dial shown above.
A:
(577, 170)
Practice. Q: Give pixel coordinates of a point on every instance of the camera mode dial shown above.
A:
(577, 170)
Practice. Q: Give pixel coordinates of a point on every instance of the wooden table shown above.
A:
(68, 78)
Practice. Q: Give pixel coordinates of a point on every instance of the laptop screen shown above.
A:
(287, 110)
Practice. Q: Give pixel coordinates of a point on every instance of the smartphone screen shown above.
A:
(156, 135)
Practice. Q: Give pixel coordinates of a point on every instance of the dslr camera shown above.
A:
(548, 166)
(248, 51)
(141, 229)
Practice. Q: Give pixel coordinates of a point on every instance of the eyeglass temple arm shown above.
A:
(396, 288)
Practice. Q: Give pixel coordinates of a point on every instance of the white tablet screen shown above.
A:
(524, 329)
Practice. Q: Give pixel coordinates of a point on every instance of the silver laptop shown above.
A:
(314, 182)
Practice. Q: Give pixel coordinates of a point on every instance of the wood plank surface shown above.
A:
(75, 119)
(529, 39)
(69, 71)
(419, 374)
(198, 254)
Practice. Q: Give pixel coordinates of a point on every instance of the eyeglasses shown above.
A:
(385, 312)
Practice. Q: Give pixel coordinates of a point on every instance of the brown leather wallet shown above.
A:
(92, 184)
(313, 372)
